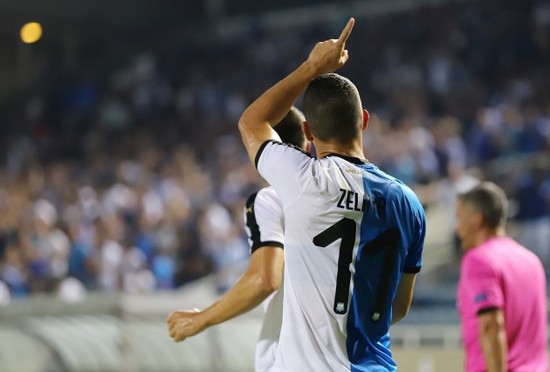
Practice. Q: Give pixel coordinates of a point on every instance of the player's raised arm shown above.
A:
(258, 119)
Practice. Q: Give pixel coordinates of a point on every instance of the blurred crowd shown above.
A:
(135, 182)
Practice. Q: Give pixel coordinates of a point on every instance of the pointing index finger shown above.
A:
(346, 32)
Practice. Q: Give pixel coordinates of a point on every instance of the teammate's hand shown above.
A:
(330, 55)
(185, 323)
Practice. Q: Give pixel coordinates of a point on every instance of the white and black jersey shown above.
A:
(351, 230)
(264, 225)
(264, 221)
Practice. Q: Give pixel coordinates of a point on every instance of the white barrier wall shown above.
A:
(127, 333)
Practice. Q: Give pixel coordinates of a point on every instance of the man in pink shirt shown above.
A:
(501, 291)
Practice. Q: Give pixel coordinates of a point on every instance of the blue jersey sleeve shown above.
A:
(410, 219)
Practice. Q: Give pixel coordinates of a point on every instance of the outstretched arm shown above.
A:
(263, 277)
(269, 109)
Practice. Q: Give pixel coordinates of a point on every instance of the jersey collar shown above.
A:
(350, 159)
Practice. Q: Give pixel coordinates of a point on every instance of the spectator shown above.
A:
(147, 150)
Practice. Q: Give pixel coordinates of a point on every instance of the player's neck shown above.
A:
(487, 234)
(354, 150)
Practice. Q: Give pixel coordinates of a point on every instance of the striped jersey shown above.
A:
(264, 225)
(351, 230)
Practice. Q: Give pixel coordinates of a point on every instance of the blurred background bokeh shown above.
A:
(122, 175)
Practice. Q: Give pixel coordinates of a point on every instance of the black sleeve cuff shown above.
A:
(412, 270)
(486, 310)
(266, 244)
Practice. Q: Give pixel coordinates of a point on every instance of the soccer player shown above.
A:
(265, 228)
(501, 291)
(353, 234)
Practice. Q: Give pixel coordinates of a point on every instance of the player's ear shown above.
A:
(307, 131)
(478, 219)
(366, 116)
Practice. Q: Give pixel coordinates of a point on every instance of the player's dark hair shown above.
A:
(332, 107)
(290, 128)
(489, 200)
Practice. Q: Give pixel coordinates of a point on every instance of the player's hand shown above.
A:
(185, 323)
(330, 55)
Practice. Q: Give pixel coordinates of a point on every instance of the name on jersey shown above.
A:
(353, 201)
(354, 171)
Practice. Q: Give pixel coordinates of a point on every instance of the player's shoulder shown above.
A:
(251, 199)
(277, 148)
(287, 146)
(400, 200)
(264, 197)
(266, 192)
(399, 192)
(268, 195)
(476, 260)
